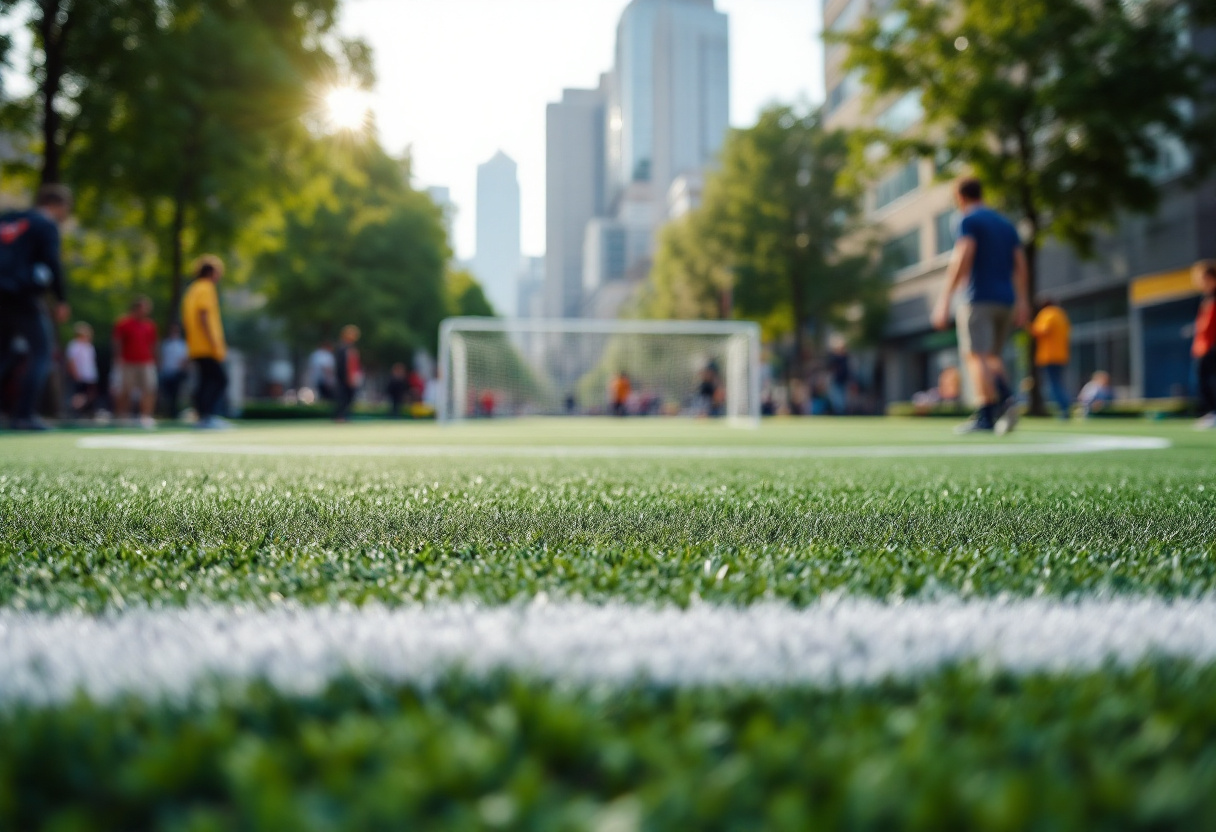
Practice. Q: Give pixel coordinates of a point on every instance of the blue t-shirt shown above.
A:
(996, 243)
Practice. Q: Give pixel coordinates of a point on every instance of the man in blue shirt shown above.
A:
(988, 258)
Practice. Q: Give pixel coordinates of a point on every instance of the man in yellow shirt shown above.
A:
(205, 340)
(1052, 330)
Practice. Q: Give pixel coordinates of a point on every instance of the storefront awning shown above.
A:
(1153, 289)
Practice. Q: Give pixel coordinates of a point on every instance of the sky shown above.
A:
(458, 80)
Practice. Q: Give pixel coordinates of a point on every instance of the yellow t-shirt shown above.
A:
(202, 297)
(1051, 331)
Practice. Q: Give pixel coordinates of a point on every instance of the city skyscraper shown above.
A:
(574, 191)
(496, 262)
(661, 115)
(670, 92)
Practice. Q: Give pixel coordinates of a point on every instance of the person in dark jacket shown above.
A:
(398, 389)
(32, 267)
(349, 372)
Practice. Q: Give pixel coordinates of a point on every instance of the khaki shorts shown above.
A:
(983, 328)
(141, 377)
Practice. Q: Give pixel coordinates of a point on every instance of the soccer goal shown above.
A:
(498, 367)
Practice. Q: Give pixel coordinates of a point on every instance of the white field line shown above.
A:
(839, 642)
(196, 445)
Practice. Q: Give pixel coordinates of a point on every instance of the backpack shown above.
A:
(18, 274)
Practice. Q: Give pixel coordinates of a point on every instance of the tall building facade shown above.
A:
(664, 113)
(574, 190)
(1129, 304)
(496, 262)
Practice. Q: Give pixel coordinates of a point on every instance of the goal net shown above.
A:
(496, 367)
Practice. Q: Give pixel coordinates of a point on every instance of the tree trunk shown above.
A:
(178, 255)
(52, 43)
(796, 305)
(1037, 407)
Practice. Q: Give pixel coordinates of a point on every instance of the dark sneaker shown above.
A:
(974, 425)
(34, 425)
(1007, 419)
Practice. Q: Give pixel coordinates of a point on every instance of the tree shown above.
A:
(79, 46)
(370, 251)
(465, 296)
(180, 107)
(1059, 106)
(769, 241)
(201, 139)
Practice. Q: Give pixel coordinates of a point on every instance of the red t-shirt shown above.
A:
(135, 340)
(1205, 328)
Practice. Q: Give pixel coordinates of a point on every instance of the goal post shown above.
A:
(504, 367)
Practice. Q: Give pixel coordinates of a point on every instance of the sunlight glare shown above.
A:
(347, 108)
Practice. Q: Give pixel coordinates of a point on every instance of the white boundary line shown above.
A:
(199, 445)
(838, 642)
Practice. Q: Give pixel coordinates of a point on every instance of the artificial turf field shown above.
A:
(698, 519)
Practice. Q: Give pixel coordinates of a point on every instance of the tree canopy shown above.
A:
(188, 126)
(1064, 108)
(371, 251)
(769, 242)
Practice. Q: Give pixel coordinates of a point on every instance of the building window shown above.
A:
(903, 114)
(944, 228)
(848, 87)
(901, 183)
(849, 16)
(901, 252)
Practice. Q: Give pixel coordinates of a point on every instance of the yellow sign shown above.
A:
(1162, 288)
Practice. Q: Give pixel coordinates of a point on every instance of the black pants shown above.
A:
(1206, 372)
(346, 398)
(211, 384)
(26, 333)
(170, 392)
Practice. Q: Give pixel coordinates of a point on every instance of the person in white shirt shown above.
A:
(81, 358)
(322, 372)
(174, 364)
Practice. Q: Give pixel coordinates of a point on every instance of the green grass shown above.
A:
(104, 530)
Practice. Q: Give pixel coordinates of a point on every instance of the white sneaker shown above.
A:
(214, 423)
(1207, 422)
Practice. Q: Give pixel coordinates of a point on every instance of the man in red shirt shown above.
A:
(1204, 346)
(135, 347)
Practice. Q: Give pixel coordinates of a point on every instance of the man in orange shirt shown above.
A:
(1052, 330)
(620, 390)
(1204, 346)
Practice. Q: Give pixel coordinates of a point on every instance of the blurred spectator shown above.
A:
(322, 371)
(135, 345)
(30, 244)
(618, 393)
(81, 360)
(205, 342)
(174, 361)
(1097, 395)
(1204, 346)
(398, 389)
(841, 375)
(707, 391)
(348, 372)
(1052, 333)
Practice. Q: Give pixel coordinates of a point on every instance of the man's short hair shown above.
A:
(970, 189)
(53, 195)
(208, 266)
